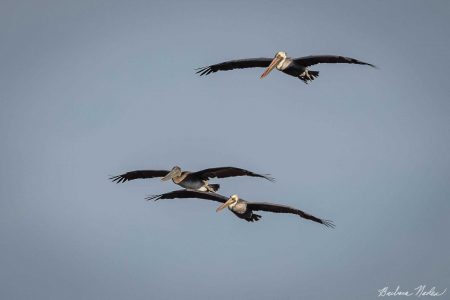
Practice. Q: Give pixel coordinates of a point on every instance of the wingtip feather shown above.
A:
(328, 223)
(269, 177)
(153, 197)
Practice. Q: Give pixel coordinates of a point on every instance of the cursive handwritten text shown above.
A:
(420, 291)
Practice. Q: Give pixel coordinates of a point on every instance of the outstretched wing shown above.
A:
(277, 208)
(139, 174)
(223, 172)
(189, 194)
(235, 64)
(328, 59)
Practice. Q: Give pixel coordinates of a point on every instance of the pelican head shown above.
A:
(174, 173)
(276, 62)
(229, 203)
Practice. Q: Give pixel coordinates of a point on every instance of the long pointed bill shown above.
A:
(272, 65)
(226, 204)
(169, 175)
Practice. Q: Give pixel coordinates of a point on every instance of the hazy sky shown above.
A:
(90, 89)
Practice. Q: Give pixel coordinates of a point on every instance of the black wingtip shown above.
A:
(203, 71)
(153, 197)
(270, 178)
(200, 70)
(328, 223)
(117, 179)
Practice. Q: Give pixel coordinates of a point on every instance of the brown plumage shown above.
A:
(297, 67)
(190, 180)
(240, 207)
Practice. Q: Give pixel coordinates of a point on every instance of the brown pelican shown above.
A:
(189, 180)
(241, 208)
(297, 67)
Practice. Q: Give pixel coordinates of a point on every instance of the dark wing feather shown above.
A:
(235, 64)
(139, 174)
(223, 172)
(277, 208)
(189, 194)
(328, 59)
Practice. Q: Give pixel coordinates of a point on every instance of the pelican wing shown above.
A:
(328, 59)
(235, 64)
(277, 208)
(189, 194)
(223, 172)
(139, 174)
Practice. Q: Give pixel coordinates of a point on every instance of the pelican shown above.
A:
(297, 67)
(189, 180)
(241, 208)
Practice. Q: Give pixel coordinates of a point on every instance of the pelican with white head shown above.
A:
(277, 62)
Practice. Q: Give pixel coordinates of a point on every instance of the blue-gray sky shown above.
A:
(90, 89)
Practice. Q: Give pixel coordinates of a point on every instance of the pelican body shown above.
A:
(189, 180)
(297, 67)
(241, 208)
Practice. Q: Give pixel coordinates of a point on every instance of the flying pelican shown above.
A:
(297, 67)
(189, 180)
(241, 208)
